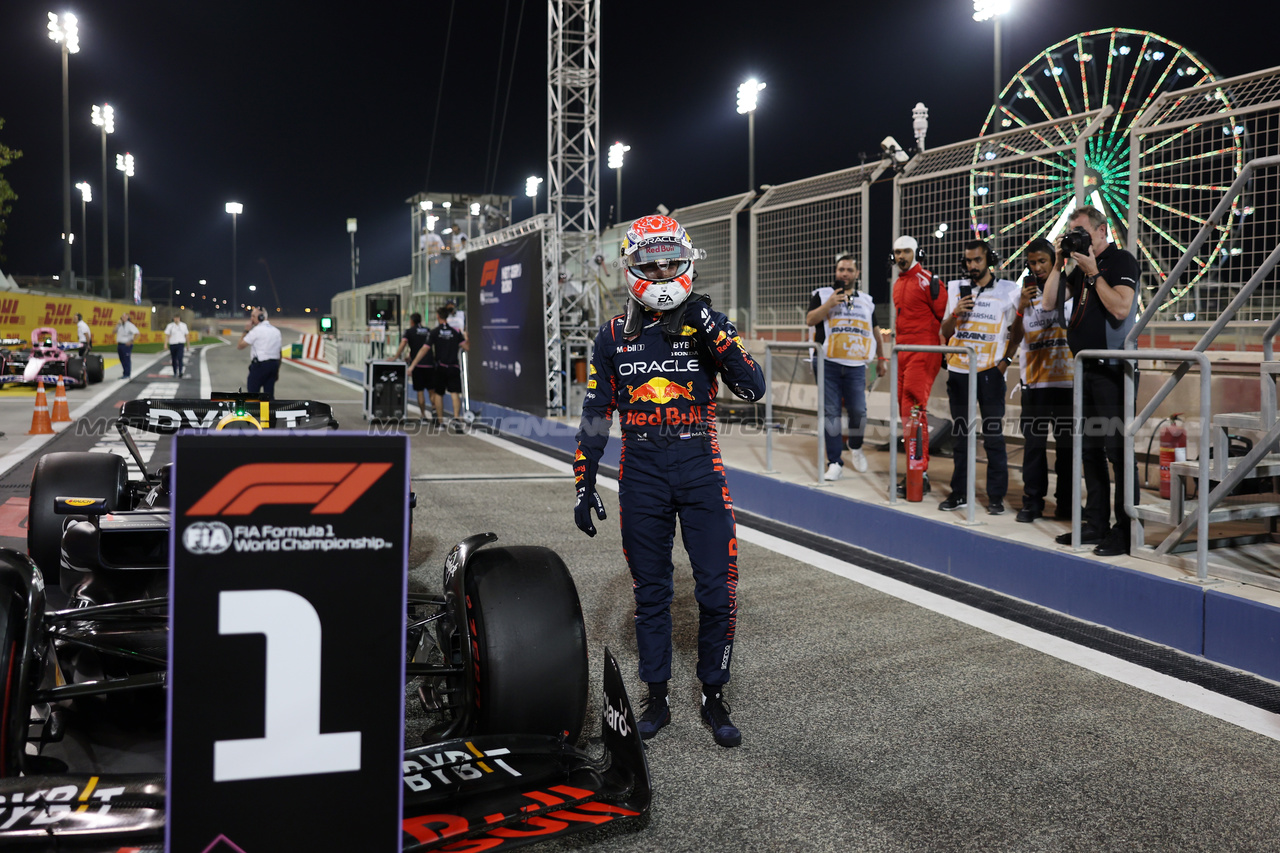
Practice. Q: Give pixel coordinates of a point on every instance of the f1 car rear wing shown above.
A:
(223, 410)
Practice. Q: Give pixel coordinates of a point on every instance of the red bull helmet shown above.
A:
(658, 257)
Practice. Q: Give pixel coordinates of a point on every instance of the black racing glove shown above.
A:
(584, 474)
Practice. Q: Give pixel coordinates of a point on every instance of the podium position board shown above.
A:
(287, 632)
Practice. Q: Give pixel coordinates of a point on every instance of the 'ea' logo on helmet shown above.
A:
(207, 537)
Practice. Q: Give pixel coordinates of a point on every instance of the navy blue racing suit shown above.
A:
(664, 388)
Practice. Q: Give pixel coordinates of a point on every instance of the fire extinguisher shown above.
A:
(915, 455)
(1173, 448)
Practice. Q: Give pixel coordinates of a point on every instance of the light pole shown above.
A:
(748, 94)
(616, 150)
(104, 117)
(531, 190)
(982, 10)
(235, 208)
(472, 212)
(86, 196)
(124, 163)
(351, 229)
(65, 32)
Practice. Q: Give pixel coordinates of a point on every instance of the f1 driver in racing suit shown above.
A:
(657, 364)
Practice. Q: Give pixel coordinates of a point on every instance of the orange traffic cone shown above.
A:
(40, 424)
(61, 413)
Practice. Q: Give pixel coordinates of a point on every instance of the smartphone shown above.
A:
(966, 290)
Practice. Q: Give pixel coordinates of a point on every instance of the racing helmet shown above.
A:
(657, 257)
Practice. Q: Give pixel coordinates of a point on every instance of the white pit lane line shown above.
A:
(1183, 693)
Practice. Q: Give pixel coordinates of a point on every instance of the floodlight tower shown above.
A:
(616, 150)
(86, 196)
(64, 31)
(993, 9)
(104, 118)
(124, 163)
(573, 174)
(748, 97)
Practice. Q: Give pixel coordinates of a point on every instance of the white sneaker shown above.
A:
(834, 470)
(859, 461)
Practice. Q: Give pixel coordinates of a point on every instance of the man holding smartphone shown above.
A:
(982, 312)
(1046, 390)
(842, 318)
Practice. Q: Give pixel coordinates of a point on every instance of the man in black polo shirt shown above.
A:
(414, 339)
(1104, 285)
(443, 344)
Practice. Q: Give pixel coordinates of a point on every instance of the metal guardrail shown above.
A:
(1132, 425)
(769, 347)
(895, 416)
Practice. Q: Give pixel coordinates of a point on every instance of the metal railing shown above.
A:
(769, 426)
(1131, 427)
(970, 467)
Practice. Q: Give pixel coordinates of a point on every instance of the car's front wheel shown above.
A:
(529, 648)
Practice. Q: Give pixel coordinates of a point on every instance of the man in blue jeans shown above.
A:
(842, 317)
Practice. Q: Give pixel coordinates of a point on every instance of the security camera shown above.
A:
(663, 209)
(891, 149)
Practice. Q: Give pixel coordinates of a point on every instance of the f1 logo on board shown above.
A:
(489, 274)
(329, 487)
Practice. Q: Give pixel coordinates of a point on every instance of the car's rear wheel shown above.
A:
(85, 475)
(75, 368)
(13, 705)
(94, 368)
(529, 652)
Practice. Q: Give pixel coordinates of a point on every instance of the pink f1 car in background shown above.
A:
(46, 358)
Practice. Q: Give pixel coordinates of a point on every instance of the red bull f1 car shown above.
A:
(489, 776)
(46, 358)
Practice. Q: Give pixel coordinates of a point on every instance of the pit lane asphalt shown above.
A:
(870, 723)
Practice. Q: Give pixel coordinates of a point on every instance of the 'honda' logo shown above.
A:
(330, 487)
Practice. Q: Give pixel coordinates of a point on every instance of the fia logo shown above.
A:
(207, 537)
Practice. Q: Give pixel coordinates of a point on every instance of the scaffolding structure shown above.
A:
(573, 177)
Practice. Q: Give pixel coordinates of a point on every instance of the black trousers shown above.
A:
(1103, 443)
(991, 390)
(1046, 412)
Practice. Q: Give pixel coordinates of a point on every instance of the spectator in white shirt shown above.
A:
(85, 334)
(125, 334)
(176, 334)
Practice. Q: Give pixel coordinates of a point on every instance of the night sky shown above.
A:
(309, 117)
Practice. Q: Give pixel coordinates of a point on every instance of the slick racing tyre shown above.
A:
(84, 475)
(94, 368)
(13, 707)
(529, 644)
(74, 368)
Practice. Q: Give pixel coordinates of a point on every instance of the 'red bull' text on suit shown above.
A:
(663, 384)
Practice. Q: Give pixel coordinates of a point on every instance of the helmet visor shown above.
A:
(660, 260)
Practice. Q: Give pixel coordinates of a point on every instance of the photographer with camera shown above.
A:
(982, 312)
(842, 320)
(1104, 284)
(1046, 390)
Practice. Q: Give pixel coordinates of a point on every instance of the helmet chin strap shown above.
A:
(672, 322)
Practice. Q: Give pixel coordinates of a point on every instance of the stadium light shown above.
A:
(86, 196)
(104, 118)
(531, 190)
(748, 97)
(616, 150)
(124, 163)
(993, 10)
(65, 32)
(235, 208)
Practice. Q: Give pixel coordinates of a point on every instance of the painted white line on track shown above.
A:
(341, 380)
(15, 457)
(206, 385)
(1183, 693)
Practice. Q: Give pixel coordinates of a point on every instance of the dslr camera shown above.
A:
(1077, 240)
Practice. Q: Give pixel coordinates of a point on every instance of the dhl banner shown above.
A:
(22, 312)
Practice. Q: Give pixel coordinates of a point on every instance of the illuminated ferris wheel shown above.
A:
(1178, 184)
